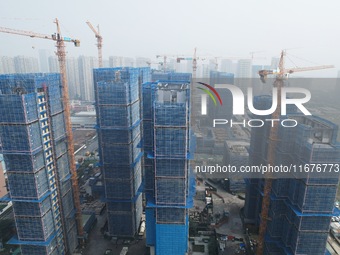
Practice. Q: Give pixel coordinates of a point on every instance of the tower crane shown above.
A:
(61, 54)
(164, 60)
(149, 63)
(190, 58)
(281, 73)
(252, 53)
(194, 64)
(99, 42)
(180, 58)
(264, 73)
(165, 57)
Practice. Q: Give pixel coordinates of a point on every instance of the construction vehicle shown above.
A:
(108, 252)
(142, 229)
(99, 42)
(61, 54)
(124, 251)
(281, 74)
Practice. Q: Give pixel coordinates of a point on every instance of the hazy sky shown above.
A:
(310, 28)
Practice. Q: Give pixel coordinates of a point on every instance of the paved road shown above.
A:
(91, 145)
(97, 245)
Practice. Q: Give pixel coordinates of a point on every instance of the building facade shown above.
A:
(34, 146)
(72, 74)
(25, 64)
(244, 68)
(43, 59)
(119, 135)
(301, 207)
(7, 65)
(119, 61)
(53, 64)
(227, 66)
(235, 153)
(225, 112)
(85, 66)
(169, 181)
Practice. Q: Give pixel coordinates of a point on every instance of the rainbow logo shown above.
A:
(208, 91)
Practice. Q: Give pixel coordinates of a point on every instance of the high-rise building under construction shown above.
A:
(117, 102)
(301, 207)
(34, 146)
(169, 181)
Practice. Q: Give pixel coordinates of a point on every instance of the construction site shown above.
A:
(292, 215)
(127, 185)
(300, 209)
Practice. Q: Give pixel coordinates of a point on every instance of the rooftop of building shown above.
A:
(18, 84)
(322, 131)
(239, 133)
(238, 147)
(172, 85)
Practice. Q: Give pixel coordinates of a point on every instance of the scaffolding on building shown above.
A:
(33, 142)
(301, 206)
(168, 149)
(117, 93)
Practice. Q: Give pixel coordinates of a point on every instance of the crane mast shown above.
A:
(193, 96)
(99, 42)
(281, 74)
(61, 54)
(194, 64)
(164, 61)
(271, 158)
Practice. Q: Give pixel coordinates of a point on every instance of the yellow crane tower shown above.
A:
(61, 54)
(281, 73)
(165, 57)
(180, 58)
(99, 42)
(194, 64)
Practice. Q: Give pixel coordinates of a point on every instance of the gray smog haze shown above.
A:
(149, 27)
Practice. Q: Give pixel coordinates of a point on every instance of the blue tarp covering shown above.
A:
(14, 240)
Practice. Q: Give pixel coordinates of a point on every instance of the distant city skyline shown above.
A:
(47, 62)
(133, 29)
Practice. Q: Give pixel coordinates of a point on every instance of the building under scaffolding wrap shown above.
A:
(300, 208)
(117, 104)
(169, 181)
(33, 142)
